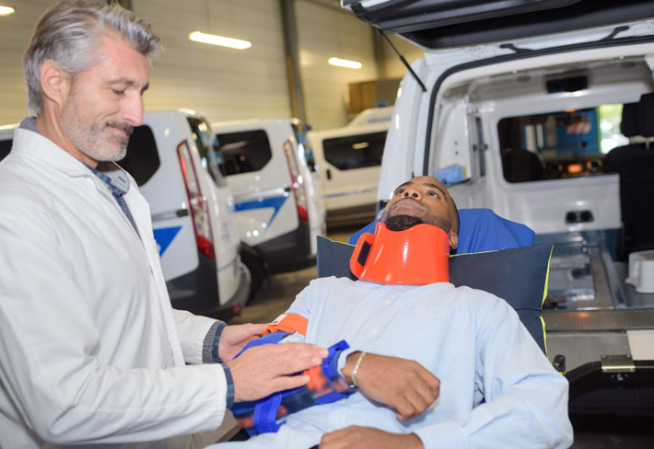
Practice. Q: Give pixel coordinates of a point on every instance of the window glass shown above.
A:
(142, 159)
(352, 152)
(5, 148)
(210, 160)
(242, 152)
(560, 144)
(304, 143)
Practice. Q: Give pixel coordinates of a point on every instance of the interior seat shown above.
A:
(629, 127)
(522, 166)
(636, 170)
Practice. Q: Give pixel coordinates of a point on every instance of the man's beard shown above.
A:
(402, 222)
(91, 141)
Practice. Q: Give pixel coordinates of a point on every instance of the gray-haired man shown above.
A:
(91, 350)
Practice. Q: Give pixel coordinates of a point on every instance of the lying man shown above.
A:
(430, 365)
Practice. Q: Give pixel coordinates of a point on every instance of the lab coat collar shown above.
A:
(28, 141)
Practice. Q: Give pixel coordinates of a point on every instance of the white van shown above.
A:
(279, 212)
(518, 108)
(192, 211)
(348, 161)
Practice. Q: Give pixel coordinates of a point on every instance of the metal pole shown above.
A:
(292, 60)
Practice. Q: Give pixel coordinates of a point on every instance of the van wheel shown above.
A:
(254, 271)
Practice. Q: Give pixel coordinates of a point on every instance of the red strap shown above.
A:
(288, 322)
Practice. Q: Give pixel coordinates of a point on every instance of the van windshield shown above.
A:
(561, 144)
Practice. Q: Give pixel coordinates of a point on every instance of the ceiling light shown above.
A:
(6, 10)
(345, 63)
(206, 38)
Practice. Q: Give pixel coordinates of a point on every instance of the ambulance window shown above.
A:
(242, 152)
(352, 152)
(303, 140)
(5, 148)
(210, 161)
(559, 145)
(142, 159)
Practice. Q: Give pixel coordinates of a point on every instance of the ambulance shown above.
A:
(543, 111)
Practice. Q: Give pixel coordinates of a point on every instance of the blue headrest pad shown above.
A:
(480, 230)
(518, 275)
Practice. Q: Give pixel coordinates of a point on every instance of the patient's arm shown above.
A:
(368, 437)
(402, 384)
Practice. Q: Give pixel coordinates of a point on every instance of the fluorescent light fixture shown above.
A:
(6, 10)
(212, 39)
(345, 63)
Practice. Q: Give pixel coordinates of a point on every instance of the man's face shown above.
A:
(104, 102)
(423, 200)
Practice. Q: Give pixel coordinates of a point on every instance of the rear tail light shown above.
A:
(297, 183)
(198, 203)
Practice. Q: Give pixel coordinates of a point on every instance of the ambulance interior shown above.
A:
(569, 150)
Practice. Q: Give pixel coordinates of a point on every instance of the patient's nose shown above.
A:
(411, 193)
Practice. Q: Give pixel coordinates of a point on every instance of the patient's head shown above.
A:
(423, 200)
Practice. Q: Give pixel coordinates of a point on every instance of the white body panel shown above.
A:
(346, 189)
(166, 193)
(265, 204)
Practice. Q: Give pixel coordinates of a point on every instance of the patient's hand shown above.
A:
(403, 384)
(368, 437)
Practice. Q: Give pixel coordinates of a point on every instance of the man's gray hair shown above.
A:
(70, 34)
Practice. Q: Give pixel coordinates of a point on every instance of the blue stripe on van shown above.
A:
(275, 202)
(164, 236)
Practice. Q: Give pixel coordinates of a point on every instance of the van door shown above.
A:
(262, 166)
(349, 160)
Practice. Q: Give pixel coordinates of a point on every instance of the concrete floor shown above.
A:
(596, 432)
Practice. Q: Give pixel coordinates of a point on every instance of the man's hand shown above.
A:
(403, 384)
(263, 370)
(367, 437)
(234, 338)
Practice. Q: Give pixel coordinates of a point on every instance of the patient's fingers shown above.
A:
(414, 404)
(263, 370)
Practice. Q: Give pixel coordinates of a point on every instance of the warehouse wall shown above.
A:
(324, 32)
(222, 83)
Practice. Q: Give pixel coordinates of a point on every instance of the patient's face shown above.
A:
(421, 200)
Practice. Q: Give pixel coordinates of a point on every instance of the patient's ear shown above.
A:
(454, 239)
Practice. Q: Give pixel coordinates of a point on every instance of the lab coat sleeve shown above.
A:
(526, 400)
(48, 348)
(192, 330)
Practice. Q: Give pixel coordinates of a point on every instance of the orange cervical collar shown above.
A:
(419, 255)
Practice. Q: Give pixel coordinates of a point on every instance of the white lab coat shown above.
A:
(91, 350)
